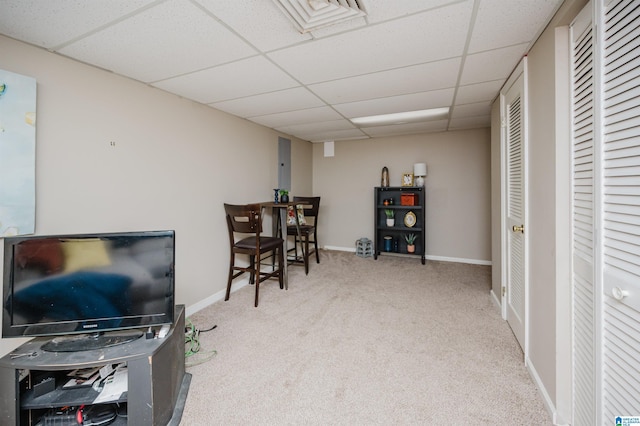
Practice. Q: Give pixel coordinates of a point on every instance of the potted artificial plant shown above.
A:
(390, 217)
(284, 196)
(410, 239)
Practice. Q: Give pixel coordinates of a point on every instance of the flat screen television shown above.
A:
(87, 291)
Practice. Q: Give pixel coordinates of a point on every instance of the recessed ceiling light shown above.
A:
(403, 117)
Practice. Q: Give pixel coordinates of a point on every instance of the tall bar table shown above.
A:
(279, 214)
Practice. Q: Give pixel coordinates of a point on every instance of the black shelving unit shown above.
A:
(400, 229)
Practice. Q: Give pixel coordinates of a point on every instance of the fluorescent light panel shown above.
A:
(402, 117)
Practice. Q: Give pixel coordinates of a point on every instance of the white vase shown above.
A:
(391, 222)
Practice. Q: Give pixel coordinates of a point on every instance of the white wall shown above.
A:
(496, 224)
(174, 164)
(457, 189)
(548, 253)
(545, 259)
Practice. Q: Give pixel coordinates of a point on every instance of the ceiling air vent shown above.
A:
(309, 15)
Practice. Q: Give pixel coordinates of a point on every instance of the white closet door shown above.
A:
(514, 104)
(621, 210)
(583, 285)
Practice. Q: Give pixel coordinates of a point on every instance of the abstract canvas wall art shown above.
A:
(17, 154)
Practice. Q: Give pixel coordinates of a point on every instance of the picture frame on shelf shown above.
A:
(410, 219)
(407, 179)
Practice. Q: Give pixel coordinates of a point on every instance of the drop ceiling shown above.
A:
(247, 58)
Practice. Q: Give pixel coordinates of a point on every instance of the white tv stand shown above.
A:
(157, 382)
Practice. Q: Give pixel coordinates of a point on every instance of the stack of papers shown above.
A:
(82, 377)
(113, 385)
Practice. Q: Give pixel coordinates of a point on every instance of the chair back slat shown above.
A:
(245, 219)
(310, 206)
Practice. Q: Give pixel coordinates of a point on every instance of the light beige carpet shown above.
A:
(359, 342)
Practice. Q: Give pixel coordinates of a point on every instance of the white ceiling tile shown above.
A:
(478, 92)
(316, 127)
(425, 37)
(384, 10)
(160, 43)
(470, 122)
(51, 23)
(492, 65)
(333, 135)
(471, 110)
(270, 103)
(258, 21)
(407, 129)
(340, 27)
(412, 102)
(302, 116)
(416, 78)
(520, 22)
(326, 130)
(235, 80)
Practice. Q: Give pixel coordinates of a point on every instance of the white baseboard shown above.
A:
(548, 403)
(336, 248)
(495, 299)
(237, 285)
(460, 260)
(437, 258)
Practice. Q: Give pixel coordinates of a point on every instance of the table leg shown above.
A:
(283, 228)
(281, 212)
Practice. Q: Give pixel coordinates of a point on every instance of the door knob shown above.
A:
(619, 293)
(517, 228)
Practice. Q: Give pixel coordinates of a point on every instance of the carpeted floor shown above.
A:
(362, 341)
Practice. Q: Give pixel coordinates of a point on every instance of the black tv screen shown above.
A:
(90, 283)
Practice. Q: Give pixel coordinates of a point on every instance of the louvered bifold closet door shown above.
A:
(516, 291)
(621, 210)
(583, 294)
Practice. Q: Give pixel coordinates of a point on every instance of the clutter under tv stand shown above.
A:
(32, 380)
